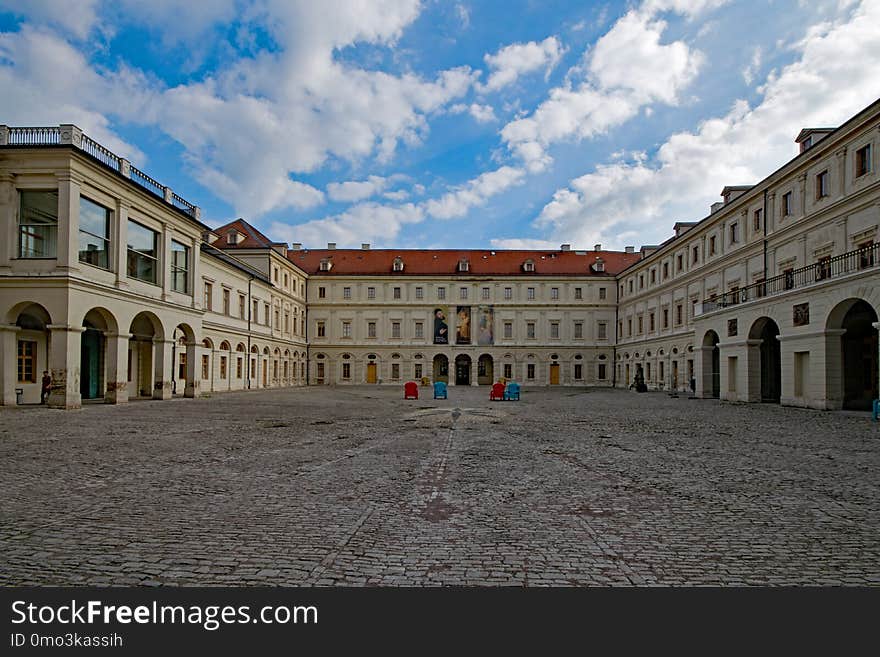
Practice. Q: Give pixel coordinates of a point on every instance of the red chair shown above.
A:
(497, 393)
(411, 390)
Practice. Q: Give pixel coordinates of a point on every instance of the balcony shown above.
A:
(816, 273)
(67, 134)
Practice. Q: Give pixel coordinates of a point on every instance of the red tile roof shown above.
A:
(442, 262)
(253, 239)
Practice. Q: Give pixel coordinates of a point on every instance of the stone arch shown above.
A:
(27, 354)
(764, 357)
(852, 353)
(440, 368)
(99, 368)
(485, 370)
(710, 372)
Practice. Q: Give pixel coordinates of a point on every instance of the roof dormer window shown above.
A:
(529, 265)
(398, 264)
(232, 237)
(599, 265)
(464, 265)
(326, 265)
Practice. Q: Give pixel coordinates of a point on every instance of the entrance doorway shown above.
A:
(463, 370)
(441, 368)
(859, 357)
(485, 370)
(91, 382)
(372, 373)
(554, 374)
(711, 372)
(766, 330)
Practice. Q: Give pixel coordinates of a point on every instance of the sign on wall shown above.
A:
(441, 326)
(485, 322)
(463, 325)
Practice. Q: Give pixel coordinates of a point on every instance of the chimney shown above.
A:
(715, 207)
(630, 249)
(565, 247)
(365, 246)
(331, 245)
(598, 247)
(296, 246)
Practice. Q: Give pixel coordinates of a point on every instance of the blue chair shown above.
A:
(440, 390)
(511, 392)
(875, 413)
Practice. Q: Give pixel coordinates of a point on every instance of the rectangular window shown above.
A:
(665, 270)
(38, 225)
(822, 185)
(226, 309)
(275, 274)
(863, 160)
(602, 293)
(484, 293)
(417, 371)
(530, 371)
(630, 285)
(653, 274)
(641, 324)
(866, 254)
(712, 248)
(181, 369)
(734, 233)
(678, 313)
(696, 255)
(554, 330)
(205, 365)
(286, 322)
(286, 285)
(651, 322)
(823, 271)
(462, 293)
(578, 293)
(27, 361)
(321, 330)
(666, 318)
(602, 330)
(530, 330)
(679, 263)
(179, 267)
(209, 296)
(578, 371)
(786, 205)
(143, 253)
(420, 293)
(255, 312)
(371, 329)
(641, 281)
(346, 293)
(757, 218)
(420, 329)
(241, 306)
(346, 371)
(223, 365)
(94, 233)
(395, 371)
(238, 367)
(508, 371)
(603, 371)
(371, 293)
(441, 292)
(346, 329)
(396, 292)
(508, 329)
(395, 329)
(530, 293)
(629, 327)
(322, 292)
(554, 292)
(578, 330)
(788, 279)
(508, 293)
(266, 312)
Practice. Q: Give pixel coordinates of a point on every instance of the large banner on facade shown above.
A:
(441, 326)
(485, 322)
(463, 325)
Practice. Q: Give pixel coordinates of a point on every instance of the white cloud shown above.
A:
(837, 73)
(689, 8)
(367, 222)
(352, 191)
(482, 113)
(627, 69)
(474, 193)
(76, 21)
(525, 244)
(517, 59)
(750, 71)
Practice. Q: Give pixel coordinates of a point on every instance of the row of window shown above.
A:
(651, 323)
(507, 371)
(38, 238)
(863, 164)
(419, 330)
(255, 311)
(463, 292)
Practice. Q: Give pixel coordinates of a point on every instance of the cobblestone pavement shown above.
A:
(354, 486)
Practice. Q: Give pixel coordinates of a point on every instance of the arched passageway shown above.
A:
(463, 370)
(711, 369)
(441, 368)
(485, 370)
(770, 359)
(857, 353)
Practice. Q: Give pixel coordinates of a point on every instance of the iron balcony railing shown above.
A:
(71, 135)
(825, 269)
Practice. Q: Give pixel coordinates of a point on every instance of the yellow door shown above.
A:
(554, 374)
(371, 373)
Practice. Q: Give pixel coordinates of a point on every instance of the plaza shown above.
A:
(353, 486)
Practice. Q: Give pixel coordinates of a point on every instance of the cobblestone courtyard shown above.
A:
(355, 486)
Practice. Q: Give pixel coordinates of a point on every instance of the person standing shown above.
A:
(47, 387)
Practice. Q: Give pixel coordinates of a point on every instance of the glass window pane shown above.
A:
(93, 250)
(142, 239)
(94, 218)
(38, 224)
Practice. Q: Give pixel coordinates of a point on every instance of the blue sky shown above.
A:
(444, 124)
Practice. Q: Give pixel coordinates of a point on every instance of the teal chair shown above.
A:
(511, 392)
(440, 390)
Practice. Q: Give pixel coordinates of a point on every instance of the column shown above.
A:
(120, 243)
(64, 354)
(8, 199)
(193, 371)
(8, 364)
(165, 262)
(117, 367)
(195, 283)
(162, 368)
(68, 220)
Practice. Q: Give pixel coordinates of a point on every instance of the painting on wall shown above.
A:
(485, 326)
(463, 325)
(441, 326)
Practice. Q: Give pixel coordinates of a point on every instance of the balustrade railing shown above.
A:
(824, 269)
(101, 153)
(35, 136)
(147, 182)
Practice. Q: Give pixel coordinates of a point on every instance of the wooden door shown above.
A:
(554, 374)
(371, 373)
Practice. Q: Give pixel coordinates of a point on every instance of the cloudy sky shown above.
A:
(407, 123)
